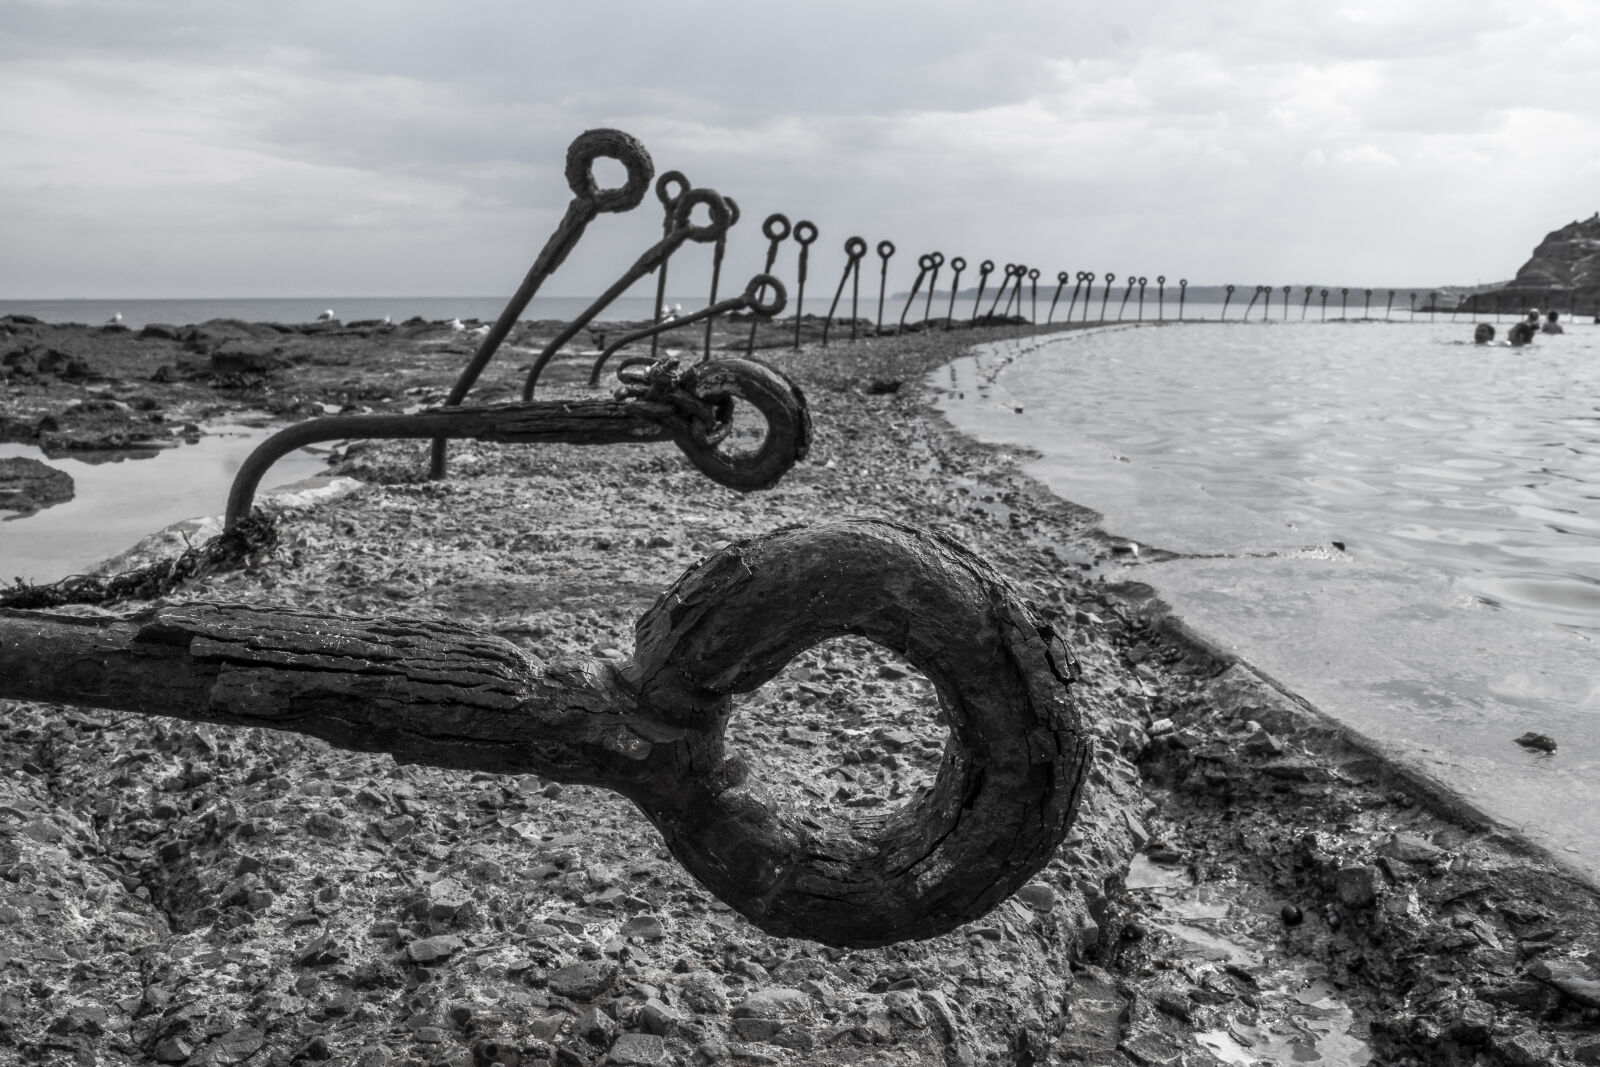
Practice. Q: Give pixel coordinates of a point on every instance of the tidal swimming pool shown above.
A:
(119, 498)
(1392, 438)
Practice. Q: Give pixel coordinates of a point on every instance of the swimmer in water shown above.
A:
(1551, 325)
(1522, 333)
(1483, 334)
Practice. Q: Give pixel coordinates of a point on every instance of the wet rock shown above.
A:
(1537, 742)
(583, 981)
(637, 1050)
(1574, 980)
(433, 949)
(1038, 896)
(27, 485)
(1410, 848)
(1357, 886)
(596, 1027)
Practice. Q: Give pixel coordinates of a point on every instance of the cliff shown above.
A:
(1564, 272)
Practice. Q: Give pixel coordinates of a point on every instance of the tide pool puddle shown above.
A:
(1299, 1015)
(121, 497)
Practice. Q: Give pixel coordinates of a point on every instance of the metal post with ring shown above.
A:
(985, 269)
(957, 265)
(1227, 298)
(718, 250)
(885, 252)
(924, 267)
(670, 188)
(775, 227)
(855, 248)
(1062, 278)
(805, 233)
(1105, 294)
(933, 283)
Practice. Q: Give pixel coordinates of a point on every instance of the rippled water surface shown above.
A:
(1481, 461)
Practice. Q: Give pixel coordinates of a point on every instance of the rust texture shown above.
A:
(985, 269)
(957, 265)
(749, 300)
(670, 188)
(651, 728)
(718, 250)
(885, 251)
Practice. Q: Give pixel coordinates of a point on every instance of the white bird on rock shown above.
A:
(326, 316)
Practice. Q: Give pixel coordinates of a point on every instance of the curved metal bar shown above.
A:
(1088, 294)
(588, 201)
(1227, 299)
(1304, 304)
(1005, 283)
(717, 252)
(1033, 283)
(1183, 291)
(1132, 280)
(1143, 281)
(683, 229)
(1161, 298)
(854, 249)
(588, 422)
(749, 299)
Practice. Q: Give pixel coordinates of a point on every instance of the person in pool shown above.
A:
(1522, 333)
(1483, 334)
(1551, 325)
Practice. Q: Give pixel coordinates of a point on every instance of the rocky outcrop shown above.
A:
(1563, 273)
(27, 485)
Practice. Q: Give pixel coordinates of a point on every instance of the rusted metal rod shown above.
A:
(805, 234)
(670, 188)
(1061, 283)
(588, 201)
(652, 727)
(957, 265)
(662, 405)
(776, 228)
(985, 269)
(885, 251)
(718, 250)
(854, 249)
(924, 265)
(683, 229)
(1105, 294)
(933, 283)
(749, 300)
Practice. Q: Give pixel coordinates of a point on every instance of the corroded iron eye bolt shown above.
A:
(805, 234)
(985, 269)
(1062, 278)
(776, 228)
(854, 250)
(957, 265)
(588, 201)
(658, 403)
(652, 727)
(924, 267)
(718, 250)
(885, 251)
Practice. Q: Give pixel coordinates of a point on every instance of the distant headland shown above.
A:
(1564, 272)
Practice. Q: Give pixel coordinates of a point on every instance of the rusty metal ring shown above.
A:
(1229, 288)
(1110, 278)
(1183, 283)
(1161, 279)
(1062, 277)
(683, 210)
(664, 186)
(779, 402)
(733, 211)
(924, 262)
(885, 249)
(776, 226)
(1090, 276)
(855, 247)
(1324, 292)
(609, 144)
(1033, 274)
(958, 264)
(802, 229)
(1013, 767)
(752, 295)
(1143, 281)
(938, 259)
(986, 267)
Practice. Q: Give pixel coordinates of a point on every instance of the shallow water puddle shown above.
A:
(1300, 1017)
(121, 497)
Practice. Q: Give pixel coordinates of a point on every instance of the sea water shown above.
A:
(1482, 462)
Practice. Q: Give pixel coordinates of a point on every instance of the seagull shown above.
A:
(455, 324)
(115, 320)
(326, 316)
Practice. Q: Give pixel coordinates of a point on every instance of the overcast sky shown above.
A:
(216, 148)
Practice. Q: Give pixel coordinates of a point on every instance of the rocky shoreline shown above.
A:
(1240, 881)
